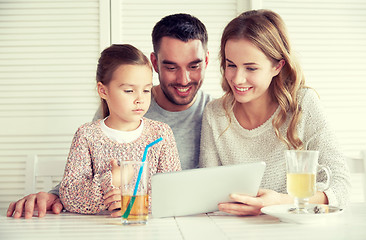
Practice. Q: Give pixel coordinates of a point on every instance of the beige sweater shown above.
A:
(238, 145)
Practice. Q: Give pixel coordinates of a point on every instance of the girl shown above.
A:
(124, 81)
(265, 110)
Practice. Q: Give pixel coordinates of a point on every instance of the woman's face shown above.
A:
(248, 71)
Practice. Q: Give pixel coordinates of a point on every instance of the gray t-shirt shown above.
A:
(186, 126)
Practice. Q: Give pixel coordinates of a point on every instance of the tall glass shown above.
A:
(134, 198)
(302, 168)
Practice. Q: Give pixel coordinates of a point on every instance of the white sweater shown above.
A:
(238, 145)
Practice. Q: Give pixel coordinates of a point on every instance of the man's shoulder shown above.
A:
(204, 98)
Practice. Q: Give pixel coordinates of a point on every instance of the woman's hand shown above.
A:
(246, 205)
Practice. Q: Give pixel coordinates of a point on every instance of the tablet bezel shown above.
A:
(207, 187)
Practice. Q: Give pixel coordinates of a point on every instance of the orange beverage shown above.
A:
(139, 211)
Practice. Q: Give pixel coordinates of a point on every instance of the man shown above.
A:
(180, 58)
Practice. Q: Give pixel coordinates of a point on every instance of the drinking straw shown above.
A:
(132, 201)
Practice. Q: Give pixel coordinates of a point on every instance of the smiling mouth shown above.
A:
(242, 89)
(183, 90)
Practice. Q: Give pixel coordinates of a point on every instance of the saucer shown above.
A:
(317, 213)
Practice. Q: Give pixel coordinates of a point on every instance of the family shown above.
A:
(266, 109)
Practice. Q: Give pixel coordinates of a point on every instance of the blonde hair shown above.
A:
(267, 31)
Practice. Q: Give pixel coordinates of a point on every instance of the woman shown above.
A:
(265, 110)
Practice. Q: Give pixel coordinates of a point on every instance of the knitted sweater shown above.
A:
(186, 126)
(87, 175)
(238, 145)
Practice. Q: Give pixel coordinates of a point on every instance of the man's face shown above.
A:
(181, 67)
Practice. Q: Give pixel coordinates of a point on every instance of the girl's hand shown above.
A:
(116, 173)
(113, 197)
(246, 205)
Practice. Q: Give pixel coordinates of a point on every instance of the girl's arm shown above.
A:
(169, 158)
(83, 187)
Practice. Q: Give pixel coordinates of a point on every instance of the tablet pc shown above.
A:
(200, 190)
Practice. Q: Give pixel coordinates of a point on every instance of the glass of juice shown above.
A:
(302, 167)
(134, 192)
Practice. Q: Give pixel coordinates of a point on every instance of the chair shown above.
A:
(357, 167)
(47, 169)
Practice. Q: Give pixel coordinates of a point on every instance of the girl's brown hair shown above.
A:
(113, 57)
(267, 31)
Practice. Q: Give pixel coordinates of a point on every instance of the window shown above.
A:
(48, 54)
(329, 37)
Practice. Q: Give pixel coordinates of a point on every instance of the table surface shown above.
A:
(351, 224)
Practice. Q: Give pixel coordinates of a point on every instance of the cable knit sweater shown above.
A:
(238, 145)
(87, 176)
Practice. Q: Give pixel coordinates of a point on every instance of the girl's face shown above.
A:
(248, 71)
(128, 96)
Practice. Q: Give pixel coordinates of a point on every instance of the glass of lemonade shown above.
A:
(302, 168)
(134, 207)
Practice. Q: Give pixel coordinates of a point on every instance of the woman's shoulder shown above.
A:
(215, 108)
(215, 105)
(307, 94)
(310, 103)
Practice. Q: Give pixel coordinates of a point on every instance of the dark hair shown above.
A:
(180, 26)
(113, 57)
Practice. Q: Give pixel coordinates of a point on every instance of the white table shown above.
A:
(351, 224)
